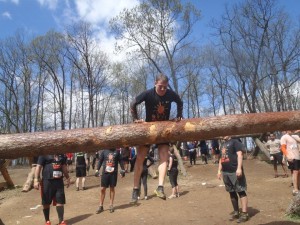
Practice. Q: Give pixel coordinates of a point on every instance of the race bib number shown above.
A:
(57, 174)
(109, 169)
(294, 147)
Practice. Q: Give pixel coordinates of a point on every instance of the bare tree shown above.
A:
(90, 62)
(51, 51)
(158, 31)
(262, 54)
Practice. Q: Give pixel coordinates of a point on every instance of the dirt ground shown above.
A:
(203, 200)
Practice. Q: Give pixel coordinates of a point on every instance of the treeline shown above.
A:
(65, 80)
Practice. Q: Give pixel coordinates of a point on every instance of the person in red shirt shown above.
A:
(69, 162)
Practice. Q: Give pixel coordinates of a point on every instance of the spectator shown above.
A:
(81, 162)
(173, 174)
(203, 150)
(273, 145)
(289, 147)
(54, 168)
(110, 159)
(232, 172)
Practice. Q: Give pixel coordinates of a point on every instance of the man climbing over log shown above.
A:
(158, 106)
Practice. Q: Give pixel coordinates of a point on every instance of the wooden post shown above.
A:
(5, 173)
(29, 182)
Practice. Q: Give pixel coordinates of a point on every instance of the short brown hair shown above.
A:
(161, 77)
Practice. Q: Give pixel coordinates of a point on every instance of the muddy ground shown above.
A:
(203, 200)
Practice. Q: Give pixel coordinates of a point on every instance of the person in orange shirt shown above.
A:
(289, 147)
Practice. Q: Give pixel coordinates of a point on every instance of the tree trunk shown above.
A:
(93, 139)
(29, 182)
(5, 173)
(262, 147)
(180, 162)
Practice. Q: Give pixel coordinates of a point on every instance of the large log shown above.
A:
(93, 139)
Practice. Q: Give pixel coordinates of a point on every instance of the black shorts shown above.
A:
(81, 171)
(294, 165)
(216, 151)
(234, 184)
(173, 175)
(277, 158)
(109, 179)
(53, 190)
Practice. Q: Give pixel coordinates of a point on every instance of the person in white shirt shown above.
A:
(273, 145)
(289, 147)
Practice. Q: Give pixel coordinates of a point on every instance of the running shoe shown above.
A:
(172, 196)
(77, 189)
(48, 223)
(63, 223)
(243, 217)
(111, 209)
(160, 192)
(235, 215)
(100, 210)
(146, 197)
(135, 195)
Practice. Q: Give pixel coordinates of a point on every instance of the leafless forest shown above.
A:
(64, 80)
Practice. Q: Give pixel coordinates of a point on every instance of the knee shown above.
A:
(242, 194)
(233, 195)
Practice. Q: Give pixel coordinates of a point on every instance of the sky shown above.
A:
(36, 17)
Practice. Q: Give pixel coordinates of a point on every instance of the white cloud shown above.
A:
(15, 2)
(7, 15)
(51, 4)
(98, 13)
(95, 11)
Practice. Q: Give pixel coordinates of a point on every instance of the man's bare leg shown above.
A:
(162, 170)
(102, 197)
(138, 169)
(112, 197)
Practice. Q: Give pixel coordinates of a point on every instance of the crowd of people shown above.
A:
(228, 154)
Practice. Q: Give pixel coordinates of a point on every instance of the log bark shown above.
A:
(3, 169)
(93, 139)
(180, 162)
(5, 174)
(27, 186)
(262, 147)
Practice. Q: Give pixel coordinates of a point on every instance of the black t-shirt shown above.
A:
(229, 156)
(110, 159)
(215, 144)
(80, 160)
(158, 108)
(125, 152)
(174, 163)
(52, 166)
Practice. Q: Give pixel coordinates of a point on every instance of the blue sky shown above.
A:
(36, 17)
